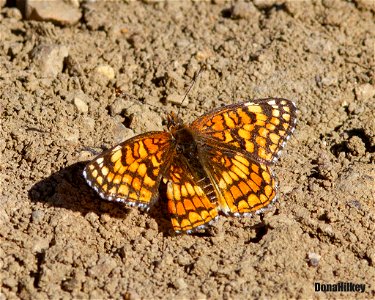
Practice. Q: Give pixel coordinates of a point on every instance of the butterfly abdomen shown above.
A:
(187, 147)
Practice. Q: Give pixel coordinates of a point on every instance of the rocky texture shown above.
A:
(58, 239)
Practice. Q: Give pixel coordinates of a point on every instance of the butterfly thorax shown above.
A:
(183, 137)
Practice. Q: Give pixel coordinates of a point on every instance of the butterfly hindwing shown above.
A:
(242, 185)
(189, 206)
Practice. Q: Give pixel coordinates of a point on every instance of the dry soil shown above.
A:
(67, 92)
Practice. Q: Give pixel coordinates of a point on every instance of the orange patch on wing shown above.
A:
(219, 135)
(195, 218)
(123, 190)
(136, 184)
(263, 198)
(99, 180)
(233, 115)
(261, 117)
(275, 121)
(238, 172)
(117, 166)
(242, 160)
(198, 202)
(151, 147)
(268, 190)
(185, 224)
(127, 179)
(274, 138)
(95, 173)
(189, 205)
(244, 134)
(273, 148)
(255, 188)
(263, 154)
(142, 151)
(110, 176)
(116, 155)
(236, 192)
(176, 192)
(267, 177)
(117, 179)
(180, 209)
(256, 178)
(218, 123)
(228, 121)
(129, 158)
(155, 162)
(135, 150)
(244, 187)
(286, 117)
(249, 146)
(175, 224)
(242, 205)
(253, 200)
(261, 141)
(146, 194)
(255, 108)
(228, 137)
(255, 168)
(263, 132)
(244, 116)
(226, 162)
(270, 126)
(148, 181)
(249, 127)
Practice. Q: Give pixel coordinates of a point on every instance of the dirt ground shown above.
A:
(59, 89)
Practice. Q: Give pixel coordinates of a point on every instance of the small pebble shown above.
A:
(102, 269)
(37, 216)
(243, 10)
(80, 105)
(180, 284)
(57, 12)
(264, 4)
(313, 259)
(356, 146)
(176, 99)
(364, 92)
(106, 70)
(48, 59)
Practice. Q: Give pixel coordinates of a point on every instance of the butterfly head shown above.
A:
(174, 122)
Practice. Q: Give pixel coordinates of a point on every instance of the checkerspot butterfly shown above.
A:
(220, 162)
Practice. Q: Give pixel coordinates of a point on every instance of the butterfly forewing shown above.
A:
(258, 128)
(131, 171)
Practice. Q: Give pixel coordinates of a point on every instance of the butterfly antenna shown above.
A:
(195, 78)
(134, 99)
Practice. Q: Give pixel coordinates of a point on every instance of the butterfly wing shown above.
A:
(242, 185)
(258, 128)
(189, 206)
(131, 171)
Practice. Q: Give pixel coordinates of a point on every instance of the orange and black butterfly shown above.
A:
(220, 162)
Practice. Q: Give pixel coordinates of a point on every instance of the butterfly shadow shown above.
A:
(68, 189)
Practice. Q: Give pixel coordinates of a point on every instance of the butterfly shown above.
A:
(218, 163)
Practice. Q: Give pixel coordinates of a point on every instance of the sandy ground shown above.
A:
(59, 91)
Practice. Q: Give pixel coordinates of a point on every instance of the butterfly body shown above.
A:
(220, 162)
